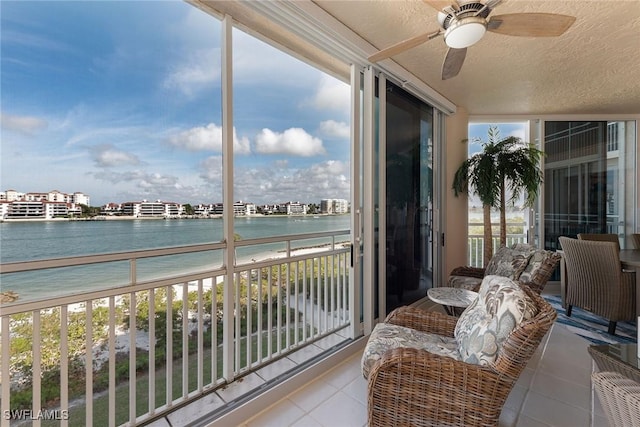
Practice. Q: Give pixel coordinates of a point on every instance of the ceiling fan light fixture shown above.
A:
(465, 32)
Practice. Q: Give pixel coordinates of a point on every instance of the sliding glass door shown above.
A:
(590, 179)
(409, 197)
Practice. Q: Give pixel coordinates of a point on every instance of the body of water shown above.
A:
(26, 241)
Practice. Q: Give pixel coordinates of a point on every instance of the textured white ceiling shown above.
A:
(594, 68)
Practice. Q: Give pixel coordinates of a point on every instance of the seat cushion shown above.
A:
(387, 336)
(484, 326)
(508, 262)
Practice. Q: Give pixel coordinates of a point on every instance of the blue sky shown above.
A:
(121, 101)
(478, 133)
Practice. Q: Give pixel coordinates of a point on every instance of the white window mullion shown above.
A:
(368, 209)
(227, 196)
(382, 194)
(355, 281)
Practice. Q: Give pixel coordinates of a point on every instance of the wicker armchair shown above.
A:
(635, 239)
(596, 281)
(527, 264)
(603, 237)
(619, 397)
(409, 386)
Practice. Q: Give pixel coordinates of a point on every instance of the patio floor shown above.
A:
(554, 390)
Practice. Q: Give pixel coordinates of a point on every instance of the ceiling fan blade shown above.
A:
(453, 62)
(441, 4)
(402, 46)
(530, 24)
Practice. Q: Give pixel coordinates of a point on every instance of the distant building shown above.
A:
(334, 206)
(292, 208)
(241, 208)
(54, 204)
(147, 209)
(26, 209)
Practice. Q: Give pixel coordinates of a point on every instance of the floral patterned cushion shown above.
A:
(508, 262)
(538, 261)
(485, 325)
(387, 336)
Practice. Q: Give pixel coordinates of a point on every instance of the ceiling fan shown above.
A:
(464, 23)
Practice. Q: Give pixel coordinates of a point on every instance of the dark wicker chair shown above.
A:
(536, 274)
(596, 281)
(635, 239)
(417, 388)
(600, 237)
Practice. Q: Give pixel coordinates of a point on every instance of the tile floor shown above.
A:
(554, 390)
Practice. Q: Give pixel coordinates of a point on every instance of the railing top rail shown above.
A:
(290, 238)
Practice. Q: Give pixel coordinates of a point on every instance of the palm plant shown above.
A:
(503, 165)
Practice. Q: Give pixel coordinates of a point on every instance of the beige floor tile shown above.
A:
(284, 413)
(553, 412)
(340, 410)
(306, 421)
(313, 395)
(561, 390)
(357, 389)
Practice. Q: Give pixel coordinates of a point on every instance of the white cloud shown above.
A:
(211, 169)
(293, 141)
(198, 71)
(26, 125)
(108, 156)
(272, 183)
(332, 94)
(335, 129)
(208, 138)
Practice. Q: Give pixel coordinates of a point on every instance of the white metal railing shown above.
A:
(97, 358)
(476, 247)
(475, 256)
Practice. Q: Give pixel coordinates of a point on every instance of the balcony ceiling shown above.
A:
(594, 68)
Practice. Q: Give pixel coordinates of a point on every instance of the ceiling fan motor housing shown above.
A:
(464, 26)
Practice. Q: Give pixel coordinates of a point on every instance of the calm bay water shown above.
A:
(25, 241)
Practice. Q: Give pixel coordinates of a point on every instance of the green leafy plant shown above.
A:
(504, 165)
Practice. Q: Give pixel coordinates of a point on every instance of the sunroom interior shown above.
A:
(586, 75)
(408, 135)
(555, 85)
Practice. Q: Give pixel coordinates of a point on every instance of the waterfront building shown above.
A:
(11, 195)
(111, 209)
(26, 209)
(4, 208)
(292, 208)
(34, 204)
(334, 206)
(241, 208)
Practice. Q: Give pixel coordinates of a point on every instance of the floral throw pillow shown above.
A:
(508, 262)
(485, 325)
(538, 260)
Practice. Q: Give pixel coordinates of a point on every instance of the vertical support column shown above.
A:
(227, 196)
(381, 173)
(355, 282)
(368, 273)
